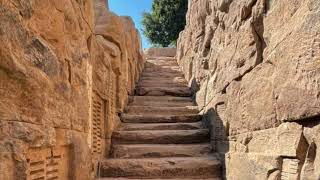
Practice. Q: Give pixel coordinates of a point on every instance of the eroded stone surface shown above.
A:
(133, 118)
(151, 110)
(167, 150)
(63, 81)
(199, 167)
(161, 126)
(254, 66)
(161, 136)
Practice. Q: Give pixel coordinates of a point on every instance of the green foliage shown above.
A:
(163, 25)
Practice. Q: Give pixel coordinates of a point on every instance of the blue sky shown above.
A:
(133, 8)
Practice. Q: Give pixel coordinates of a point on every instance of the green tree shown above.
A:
(163, 25)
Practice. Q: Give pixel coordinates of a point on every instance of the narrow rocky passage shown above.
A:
(162, 136)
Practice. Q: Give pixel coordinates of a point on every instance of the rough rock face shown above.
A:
(65, 74)
(255, 67)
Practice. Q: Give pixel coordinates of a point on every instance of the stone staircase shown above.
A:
(162, 136)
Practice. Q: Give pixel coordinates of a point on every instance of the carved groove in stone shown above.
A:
(98, 116)
(290, 169)
(47, 164)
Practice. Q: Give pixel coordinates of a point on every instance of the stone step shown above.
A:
(162, 75)
(160, 84)
(160, 126)
(172, 73)
(161, 136)
(167, 79)
(153, 66)
(183, 178)
(147, 66)
(192, 167)
(167, 65)
(161, 70)
(160, 103)
(157, 59)
(162, 61)
(160, 98)
(159, 150)
(164, 91)
(151, 110)
(163, 81)
(135, 118)
(164, 101)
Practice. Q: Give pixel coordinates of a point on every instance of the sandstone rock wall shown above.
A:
(65, 73)
(255, 68)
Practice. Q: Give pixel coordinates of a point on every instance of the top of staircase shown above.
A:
(160, 52)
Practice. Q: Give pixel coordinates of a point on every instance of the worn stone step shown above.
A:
(152, 110)
(161, 103)
(162, 74)
(163, 91)
(161, 70)
(162, 61)
(157, 78)
(157, 59)
(160, 126)
(164, 101)
(161, 136)
(161, 84)
(160, 98)
(172, 73)
(160, 150)
(163, 65)
(136, 118)
(191, 167)
(164, 81)
(153, 67)
(183, 178)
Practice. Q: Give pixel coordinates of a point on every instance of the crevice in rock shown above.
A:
(311, 121)
(83, 17)
(242, 75)
(89, 40)
(267, 5)
(308, 166)
(246, 11)
(272, 171)
(190, 69)
(111, 39)
(260, 44)
(224, 89)
(224, 5)
(69, 71)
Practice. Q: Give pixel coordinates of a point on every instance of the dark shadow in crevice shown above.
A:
(219, 131)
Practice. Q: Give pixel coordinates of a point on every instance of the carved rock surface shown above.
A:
(67, 68)
(254, 66)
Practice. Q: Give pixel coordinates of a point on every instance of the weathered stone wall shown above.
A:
(255, 68)
(65, 74)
